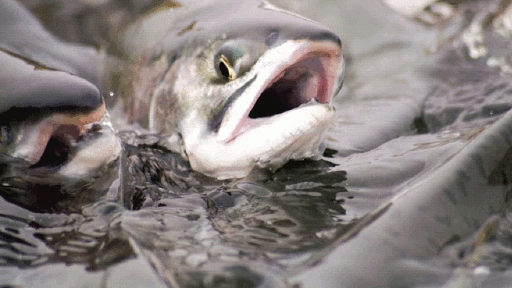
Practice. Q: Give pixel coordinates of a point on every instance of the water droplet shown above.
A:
(481, 271)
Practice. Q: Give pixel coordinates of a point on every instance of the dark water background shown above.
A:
(415, 106)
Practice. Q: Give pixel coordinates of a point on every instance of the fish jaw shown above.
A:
(247, 138)
(295, 134)
(95, 149)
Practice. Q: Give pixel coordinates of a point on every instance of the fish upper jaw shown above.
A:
(302, 74)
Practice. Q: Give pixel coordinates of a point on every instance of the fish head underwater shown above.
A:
(53, 122)
(54, 128)
(243, 83)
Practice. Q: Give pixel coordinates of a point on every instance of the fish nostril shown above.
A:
(271, 38)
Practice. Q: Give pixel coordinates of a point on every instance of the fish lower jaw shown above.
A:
(270, 142)
(91, 155)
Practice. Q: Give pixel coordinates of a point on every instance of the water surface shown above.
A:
(412, 191)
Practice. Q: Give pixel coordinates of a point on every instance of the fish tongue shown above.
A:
(307, 87)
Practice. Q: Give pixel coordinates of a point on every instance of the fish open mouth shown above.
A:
(51, 143)
(297, 85)
(309, 75)
(61, 142)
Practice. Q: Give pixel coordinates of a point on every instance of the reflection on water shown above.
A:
(413, 188)
(237, 232)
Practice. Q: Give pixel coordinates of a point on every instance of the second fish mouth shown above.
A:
(52, 142)
(61, 142)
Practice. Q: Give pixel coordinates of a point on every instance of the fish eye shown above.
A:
(225, 68)
(236, 57)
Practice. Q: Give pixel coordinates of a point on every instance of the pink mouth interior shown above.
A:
(54, 147)
(298, 84)
(312, 76)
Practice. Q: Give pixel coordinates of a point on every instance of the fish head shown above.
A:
(246, 89)
(54, 129)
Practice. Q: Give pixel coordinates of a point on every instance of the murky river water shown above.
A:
(412, 191)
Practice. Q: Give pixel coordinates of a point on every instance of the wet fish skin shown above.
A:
(177, 85)
(22, 34)
(31, 90)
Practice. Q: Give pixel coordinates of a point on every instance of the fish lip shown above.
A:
(67, 131)
(330, 56)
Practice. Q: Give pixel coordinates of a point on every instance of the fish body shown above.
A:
(243, 83)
